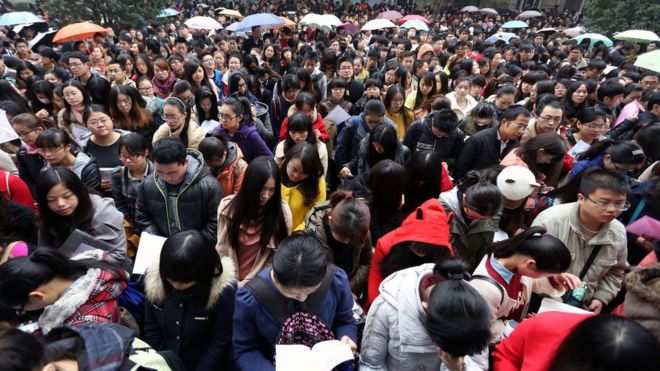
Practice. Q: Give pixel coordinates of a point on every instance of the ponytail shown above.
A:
(480, 194)
(550, 254)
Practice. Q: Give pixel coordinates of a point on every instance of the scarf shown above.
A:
(165, 87)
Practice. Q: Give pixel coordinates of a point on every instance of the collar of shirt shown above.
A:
(506, 274)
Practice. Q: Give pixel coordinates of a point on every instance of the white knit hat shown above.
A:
(516, 182)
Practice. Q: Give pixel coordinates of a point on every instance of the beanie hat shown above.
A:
(516, 182)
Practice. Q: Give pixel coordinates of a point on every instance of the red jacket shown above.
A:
(428, 224)
(318, 125)
(533, 344)
(15, 189)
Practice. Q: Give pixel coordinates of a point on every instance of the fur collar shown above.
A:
(67, 304)
(638, 282)
(153, 285)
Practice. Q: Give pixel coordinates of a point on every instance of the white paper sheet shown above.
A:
(337, 115)
(551, 305)
(578, 148)
(7, 133)
(148, 250)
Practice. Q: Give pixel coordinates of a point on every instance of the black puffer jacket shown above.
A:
(420, 137)
(194, 207)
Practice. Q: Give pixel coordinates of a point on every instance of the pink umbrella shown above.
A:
(349, 27)
(392, 15)
(414, 17)
(470, 9)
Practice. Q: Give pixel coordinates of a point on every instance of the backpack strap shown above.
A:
(590, 261)
(490, 279)
(638, 210)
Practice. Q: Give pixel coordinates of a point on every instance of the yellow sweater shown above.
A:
(294, 197)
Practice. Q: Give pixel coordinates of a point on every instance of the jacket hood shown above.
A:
(155, 292)
(105, 212)
(196, 169)
(234, 154)
(430, 216)
(423, 49)
(293, 110)
(642, 302)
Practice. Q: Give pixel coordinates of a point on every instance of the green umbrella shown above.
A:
(650, 61)
(637, 36)
(169, 12)
(593, 39)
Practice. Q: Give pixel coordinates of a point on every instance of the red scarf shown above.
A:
(165, 87)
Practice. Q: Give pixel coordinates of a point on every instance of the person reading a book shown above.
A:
(66, 205)
(596, 240)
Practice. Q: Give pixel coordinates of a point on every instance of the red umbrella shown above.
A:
(349, 27)
(413, 17)
(392, 15)
(78, 31)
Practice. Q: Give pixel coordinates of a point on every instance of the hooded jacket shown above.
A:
(85, 167)
(360, 254)
(605, 276)
(420, 137)
(199, 334)
(193, 207)
(428, 224)
(642, 302)
(230, 175)
(348, 141)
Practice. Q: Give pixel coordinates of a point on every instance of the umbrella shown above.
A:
(548, 30)
(332, 20)
(650, 61)
(203, 23)
(574, 31)
(232, 27)
(593, 38)
(42, 38)
(377, 24)
(416, 24)
(392, 15)
(13, 18)
(530, 14)
(490, 11)
(231, 13)
(77, 31)
(515, 24)
(504, 36)
(169, 12)
(470, 9)
(412, 17)
(349, 27)
(287, 23)
(265, 20)
(637, 36)
(325, 21)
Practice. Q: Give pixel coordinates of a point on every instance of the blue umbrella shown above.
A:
(504, 36)
(593, 39)
(515, 24)
(264, 20)
(14, 18)
(169, 12)
(416, 24)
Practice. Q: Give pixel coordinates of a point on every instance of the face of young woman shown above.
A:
(141, 66)
(160, 73)
(397, 103)
(62, 201)
(337, 94)
(132, 161)
(72, 95)
(425, 88)
(219, 61)
(242, 87)
(27, 135)
(124, 103)
(295, 172)
(234, 64)
(298, 136)
(146, 88)
(51, 78)
(99, 124)
(269, 52)
(229, 119)
(267, 191)
(580, 95)
(97, 53)
(560, 91)
(173, 117)
(462, 89)
(206, 105)
(198, 75)
(54, 155)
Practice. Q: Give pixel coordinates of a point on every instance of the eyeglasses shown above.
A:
(146, 90)
(556, 120)
(519, 127)
(227, 117)
(131, 157)
(24, 135)
(597, 127)
(620, 206)
(170, 118)
(44, 151)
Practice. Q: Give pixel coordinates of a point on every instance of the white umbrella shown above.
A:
(637, 36)
(325, 21)
(378, 24)
(203, 23)
(233, 27)
(530, 14)
(332, 20)
(572, 32)
(470, 9)
(650, 61)
(490, 11)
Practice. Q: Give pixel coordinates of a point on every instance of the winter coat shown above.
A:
(360, 254)
(249, 141)
(318, 124)
(294, 197)
(348, 141)
(194, 207)
(462, 113)
(256, 329)
(395, 336)
(90, 298)
(195, 133)
(224, 247)
(14, 189)
(199, 334)
(642, 303)
(481, 151)
(29, 166)
(420, 137)
(231, 175)
(469, 241)
(605, 275)
(430, 216)
(86, 169)
(400, 157)
(125, 190)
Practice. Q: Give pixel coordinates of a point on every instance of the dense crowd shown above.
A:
(435, 199)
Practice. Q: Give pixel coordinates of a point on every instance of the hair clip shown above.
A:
(179, 100)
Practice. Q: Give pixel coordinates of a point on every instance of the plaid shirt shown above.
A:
(102, 305)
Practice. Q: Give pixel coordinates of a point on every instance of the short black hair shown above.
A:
(514, 111)
(374, 107)
(604, 179)
(169, 151)
(609, 89)
(300, 261)
(444, 120)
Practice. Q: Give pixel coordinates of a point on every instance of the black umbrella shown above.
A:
(42, 38)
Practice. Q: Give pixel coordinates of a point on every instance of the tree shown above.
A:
(115, 13)
(610, 16)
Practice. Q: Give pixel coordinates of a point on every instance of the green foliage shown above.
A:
(115, 13)
(610, 16)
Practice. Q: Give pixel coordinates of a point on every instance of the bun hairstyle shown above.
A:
(350, 216)
(480, 194)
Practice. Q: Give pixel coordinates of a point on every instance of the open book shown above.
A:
(324, 356)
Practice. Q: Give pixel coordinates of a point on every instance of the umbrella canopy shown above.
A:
(530, 14)
(637, 36)
(418, 25)
(78, 31)
(231, 13)
(42, 38)
(650, 61)
(349, 27)
(469, 9)
(287, 23)
(593, 39)
(232, 27)
(203, 23)
(548, 30)
(412, 17)
(332, 20)
(490, 11)
(392, 15)
(574, 31)
(325, 21)
(504, 36)
(265, 20)
(169, 12)
(515, 24)
(14, 18)
(377, 24)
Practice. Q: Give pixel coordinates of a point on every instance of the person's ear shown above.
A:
(580, 197)
(425, 306)
(35, 297)
(531, 264)
(329, 220)
(185, 163)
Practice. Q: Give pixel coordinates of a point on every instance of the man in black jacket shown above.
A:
(438, 133)
(488, 147)
(179, 195)
(354, 88)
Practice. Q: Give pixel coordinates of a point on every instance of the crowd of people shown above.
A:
(423, 197)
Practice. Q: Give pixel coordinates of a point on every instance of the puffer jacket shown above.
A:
(605, 277)
(230, 176)
(420, 137)
(194, 206)
(361, 254)
(400, 157)
(349, 139)
(86, 169)
(395, 337)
